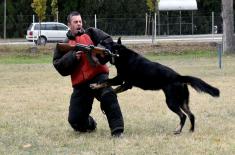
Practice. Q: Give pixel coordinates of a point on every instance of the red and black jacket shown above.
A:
(81, 70)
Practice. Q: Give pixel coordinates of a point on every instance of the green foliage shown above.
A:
(109, 14)
(39, 7)
(209, 5)
(54, 8)
(152, 5)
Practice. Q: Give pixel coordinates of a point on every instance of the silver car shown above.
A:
(46, 32)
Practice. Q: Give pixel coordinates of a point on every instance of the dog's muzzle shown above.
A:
(113, 56)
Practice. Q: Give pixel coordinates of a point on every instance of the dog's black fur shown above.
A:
(135, 70)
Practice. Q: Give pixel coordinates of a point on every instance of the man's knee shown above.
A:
(109, 101)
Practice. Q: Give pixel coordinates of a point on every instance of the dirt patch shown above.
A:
(169, 47)
(173, 47)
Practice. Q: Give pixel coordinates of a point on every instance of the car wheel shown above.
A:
(41, 41)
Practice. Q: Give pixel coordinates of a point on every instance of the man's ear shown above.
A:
(119, 41)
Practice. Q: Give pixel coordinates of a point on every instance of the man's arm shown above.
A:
(65, 63)
(100, 37)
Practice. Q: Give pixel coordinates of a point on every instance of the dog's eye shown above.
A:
(116, 51)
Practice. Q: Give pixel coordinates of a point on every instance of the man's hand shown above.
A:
(98, 85)
(78, 54)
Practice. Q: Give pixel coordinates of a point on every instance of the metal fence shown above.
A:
(164, 23)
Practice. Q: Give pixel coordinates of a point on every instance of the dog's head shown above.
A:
(123, 54)
(118, 48)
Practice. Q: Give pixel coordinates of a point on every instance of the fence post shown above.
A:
(192, 24)
(57, 16)
(155, 25)
(212, 25)
(154, 28)
(159, 24)
(146, 23)
(34, 48)
(95, 22)
(180, 22)
(33, 22)
(168, 30)
(149, 22)
(5, 19)
(220, 50)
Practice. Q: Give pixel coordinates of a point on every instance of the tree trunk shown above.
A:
(228, 26)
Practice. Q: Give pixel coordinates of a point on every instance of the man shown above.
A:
(78, 65)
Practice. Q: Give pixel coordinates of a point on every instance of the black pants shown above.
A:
(81, 105)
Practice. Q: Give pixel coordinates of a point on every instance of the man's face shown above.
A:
(75, 24)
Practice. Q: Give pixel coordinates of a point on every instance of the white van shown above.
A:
(50, 32)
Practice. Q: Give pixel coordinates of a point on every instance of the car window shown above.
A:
(43, 26)
(50, 27)
(61, 27)
(37, 27)
(30, 27)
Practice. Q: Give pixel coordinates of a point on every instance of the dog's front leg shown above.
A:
(117, 80)
(125, 86)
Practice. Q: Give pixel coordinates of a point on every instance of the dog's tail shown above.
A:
(200, 85)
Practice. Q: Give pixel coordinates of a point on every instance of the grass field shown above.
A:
(34, 107)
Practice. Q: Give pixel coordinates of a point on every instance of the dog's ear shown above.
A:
(119, 41)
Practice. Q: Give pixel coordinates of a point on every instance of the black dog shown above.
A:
(135, 70)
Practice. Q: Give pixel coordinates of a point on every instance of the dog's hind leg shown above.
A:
(186, 109)
(181, 115)
(174, 101)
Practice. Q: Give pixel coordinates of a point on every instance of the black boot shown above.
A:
(118, 133)
(87, 126)
(110, 106)
(91, 126)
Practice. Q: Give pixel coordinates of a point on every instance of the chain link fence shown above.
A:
(167, 23)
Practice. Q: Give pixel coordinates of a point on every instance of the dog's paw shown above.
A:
(94, 86)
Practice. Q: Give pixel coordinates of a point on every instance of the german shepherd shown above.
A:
(135, 70)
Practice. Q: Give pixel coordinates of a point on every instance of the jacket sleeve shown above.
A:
(100, 37)
(64, 63)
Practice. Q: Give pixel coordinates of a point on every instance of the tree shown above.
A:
(153, 8)
(152, 5)
(209, 5)
(228, 26)
(39, 7)
(54, 9)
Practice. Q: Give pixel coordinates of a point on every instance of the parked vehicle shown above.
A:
(46, 32)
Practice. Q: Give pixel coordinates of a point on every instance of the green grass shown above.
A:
(25, 59)
(181, 55)
(34, 103)
(22, 54)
